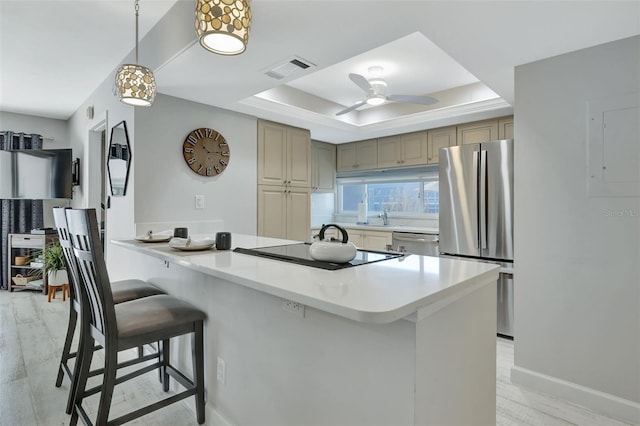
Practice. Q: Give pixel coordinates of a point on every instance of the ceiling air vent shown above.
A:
(292, 66)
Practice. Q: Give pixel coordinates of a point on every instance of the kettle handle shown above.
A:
(345, 235)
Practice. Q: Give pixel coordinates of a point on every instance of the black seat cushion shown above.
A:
(126, 290)
(154, 318)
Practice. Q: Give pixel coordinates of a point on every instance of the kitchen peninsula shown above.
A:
(403, 341)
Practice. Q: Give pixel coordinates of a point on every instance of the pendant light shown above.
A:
(135, 84)
(222, 26)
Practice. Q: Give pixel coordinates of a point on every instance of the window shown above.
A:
(399, 193)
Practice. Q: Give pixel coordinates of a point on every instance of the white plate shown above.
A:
(194, 245)
(154, 238)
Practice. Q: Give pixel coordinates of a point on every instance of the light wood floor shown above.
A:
(32, 333)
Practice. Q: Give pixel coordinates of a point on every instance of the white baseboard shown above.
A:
(611, 405)
(211, 416)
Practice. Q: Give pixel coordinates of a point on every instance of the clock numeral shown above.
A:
(223, 145)
(208, 132)
(225, 153)
(198, 133)
(192, 140)
(200, 168)
(217, 137)
(218, 169)
(208, 171)
(189, 150)
(191, 160)
(224, 163)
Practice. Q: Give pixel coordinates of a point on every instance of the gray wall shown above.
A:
(165, 187)
(577, 295)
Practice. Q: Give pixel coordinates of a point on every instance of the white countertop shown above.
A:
(387, 228)
(380, 292)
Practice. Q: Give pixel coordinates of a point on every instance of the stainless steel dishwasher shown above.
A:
(416, 243)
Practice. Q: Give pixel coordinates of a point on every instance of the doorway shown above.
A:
(98, 197)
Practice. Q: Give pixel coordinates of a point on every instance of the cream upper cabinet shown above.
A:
(476, 132)
(361, 155)
(389, 151)
(323, 167)
(284, 155)
(408, 149)
(505, 128)
(284, 212)
(440, 138)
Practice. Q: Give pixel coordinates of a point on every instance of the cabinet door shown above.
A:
(298, 218)
(298, 157)
(355, 236)
(367, 154)
(476, 132)
(272, 145)
(323, 167)
(440, 138)
(346, 154)
(505, 128)
(272, 220)
(376, 240)
(389, 151)
(414, 149)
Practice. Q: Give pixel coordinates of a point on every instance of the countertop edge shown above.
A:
(380, 317)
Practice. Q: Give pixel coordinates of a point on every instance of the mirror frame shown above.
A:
(116, 152)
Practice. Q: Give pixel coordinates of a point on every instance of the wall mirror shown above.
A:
(119, 159)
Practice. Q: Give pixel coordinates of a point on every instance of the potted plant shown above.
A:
(55, 264)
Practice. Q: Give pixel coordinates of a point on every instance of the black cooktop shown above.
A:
(299, 254)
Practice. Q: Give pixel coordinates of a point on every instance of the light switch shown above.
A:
(199, 201)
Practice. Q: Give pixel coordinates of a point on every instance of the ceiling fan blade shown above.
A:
(351, 108)
(362, 82)
(413, 99)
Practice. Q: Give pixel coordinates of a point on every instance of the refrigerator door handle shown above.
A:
(475, 175)
(482, 225)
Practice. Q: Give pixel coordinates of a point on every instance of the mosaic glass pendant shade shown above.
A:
(136, 85)
(222, 26)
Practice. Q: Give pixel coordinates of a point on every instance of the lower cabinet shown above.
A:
(362, 238)
(284, 212)
(375, 240)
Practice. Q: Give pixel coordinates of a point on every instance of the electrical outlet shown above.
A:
(293, 307)
(199, 201)
(222, 371)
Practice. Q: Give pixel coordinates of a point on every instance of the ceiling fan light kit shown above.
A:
(135, 84)
(376, 92)
(222, 26)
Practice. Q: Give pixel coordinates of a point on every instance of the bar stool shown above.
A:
(122, 291)
(128, 325)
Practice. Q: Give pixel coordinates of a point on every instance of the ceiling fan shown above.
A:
(376, 88)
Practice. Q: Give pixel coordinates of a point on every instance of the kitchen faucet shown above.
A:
(385, 218)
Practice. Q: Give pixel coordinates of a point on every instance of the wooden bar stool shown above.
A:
(128, 325)
(122, 291)
(53, 288)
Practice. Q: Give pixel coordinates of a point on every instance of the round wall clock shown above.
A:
(206, 152)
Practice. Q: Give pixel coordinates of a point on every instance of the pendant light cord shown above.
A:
(137, 9)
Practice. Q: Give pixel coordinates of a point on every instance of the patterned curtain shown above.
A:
(17, 216)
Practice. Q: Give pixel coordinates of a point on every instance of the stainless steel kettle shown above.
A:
(333, 251)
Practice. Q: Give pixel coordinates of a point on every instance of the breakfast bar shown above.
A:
(406, 341)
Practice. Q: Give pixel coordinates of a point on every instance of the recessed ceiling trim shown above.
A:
(418, 118)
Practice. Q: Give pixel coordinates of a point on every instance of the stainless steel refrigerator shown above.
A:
(476, 212)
